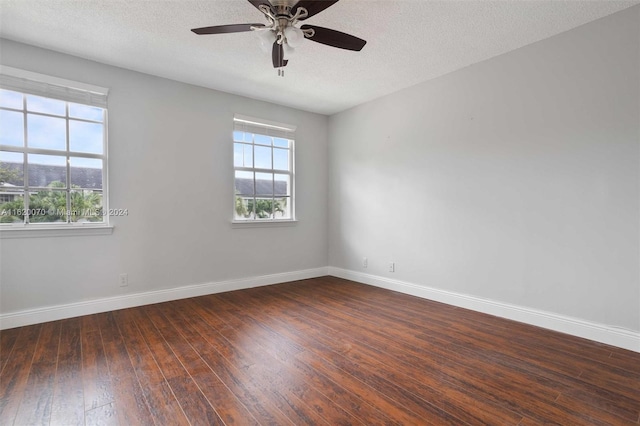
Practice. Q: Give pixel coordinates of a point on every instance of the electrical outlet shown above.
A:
(124, 280)
(365, 262)
(392, 267)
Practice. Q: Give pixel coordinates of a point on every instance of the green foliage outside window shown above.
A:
(51, 206)
(264, 208)
(8, 175)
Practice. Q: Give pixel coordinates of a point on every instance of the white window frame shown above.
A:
(30, 83)
(269, 128)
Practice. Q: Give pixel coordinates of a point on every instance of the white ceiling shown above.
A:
(409, 41)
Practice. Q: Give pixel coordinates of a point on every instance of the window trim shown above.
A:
(277, 129)
(42, 84)
(44, 231)
(31, 83)
(277, 223)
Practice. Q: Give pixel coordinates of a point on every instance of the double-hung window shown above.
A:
(263, 160)
(53, 152)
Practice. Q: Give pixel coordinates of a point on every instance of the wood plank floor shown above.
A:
(323, 351)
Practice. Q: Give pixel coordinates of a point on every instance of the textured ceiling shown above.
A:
(409, 41)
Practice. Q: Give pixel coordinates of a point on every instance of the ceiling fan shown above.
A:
(282, 34)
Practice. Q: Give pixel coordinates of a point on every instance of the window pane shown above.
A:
(242, 136)
(244, 183)
(262, 140)
(282, 208)
(238, 159)
(11, 169)
(45, 105)
(85, 173)
(86, 206)
(243, 155)
(263, 157)
(86, 112)
(48, 206)
(11, 205)
(264, 183)
(10, 99)
(243, 210)
(248, 155)
(47, 170)
(46, 132)
(281, 159)
(282, 185)
(263, 208)
(85, 137)
(282, 143)
(11, 128)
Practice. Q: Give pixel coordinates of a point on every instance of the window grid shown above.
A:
(27, 190)
(250, 207)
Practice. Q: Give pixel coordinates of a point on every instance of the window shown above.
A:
(263, 160)
(53, 151)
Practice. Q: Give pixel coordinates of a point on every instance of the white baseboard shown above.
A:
(70, 310)
(619, 337)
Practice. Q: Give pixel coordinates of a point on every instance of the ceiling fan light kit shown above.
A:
(282, 35)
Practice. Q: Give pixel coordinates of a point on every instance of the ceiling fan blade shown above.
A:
(277, 55)
(223, 29)
(257, 3)
(313, 6)
(335, 38)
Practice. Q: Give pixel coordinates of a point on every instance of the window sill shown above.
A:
(262, 224)
(54, 231)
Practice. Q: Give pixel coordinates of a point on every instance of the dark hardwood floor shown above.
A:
(323, 351)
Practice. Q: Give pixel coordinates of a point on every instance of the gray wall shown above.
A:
(514, 180)
(170, 158)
